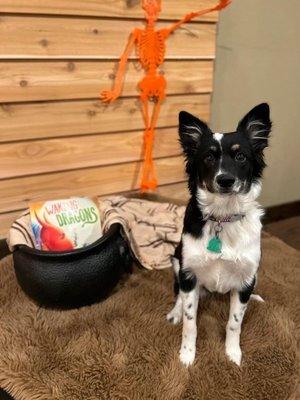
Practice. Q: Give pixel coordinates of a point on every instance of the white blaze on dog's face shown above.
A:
(225, 163)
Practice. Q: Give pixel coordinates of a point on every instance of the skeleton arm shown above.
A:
(187, 18)
(108, 96)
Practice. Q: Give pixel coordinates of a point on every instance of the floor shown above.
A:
(287, 230)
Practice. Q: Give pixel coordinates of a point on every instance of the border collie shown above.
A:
(220, 246)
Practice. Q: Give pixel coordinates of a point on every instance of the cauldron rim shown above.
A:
(113, 229)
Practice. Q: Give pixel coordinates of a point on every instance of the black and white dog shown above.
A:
(220, 247)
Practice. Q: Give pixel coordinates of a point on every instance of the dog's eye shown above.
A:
(240, 157)
(209, 158)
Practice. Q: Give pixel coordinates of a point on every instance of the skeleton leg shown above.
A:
(149, 180)
(146, 115)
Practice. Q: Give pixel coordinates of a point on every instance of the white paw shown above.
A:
(174, 316)
(234, 355)
(187, 355)
(256, 297)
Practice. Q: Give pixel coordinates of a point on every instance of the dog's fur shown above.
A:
(224, 172)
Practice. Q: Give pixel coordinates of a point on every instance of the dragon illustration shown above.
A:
(52, 238)
(151, 48)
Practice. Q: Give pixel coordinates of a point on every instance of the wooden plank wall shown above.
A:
(56, 138)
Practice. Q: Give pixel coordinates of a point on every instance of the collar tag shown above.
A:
(215, 244)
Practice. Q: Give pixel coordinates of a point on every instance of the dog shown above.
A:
(220, 247)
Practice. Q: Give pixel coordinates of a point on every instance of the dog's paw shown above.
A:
(174, 316)
(234, 354)
(187, 355)
(257, 297)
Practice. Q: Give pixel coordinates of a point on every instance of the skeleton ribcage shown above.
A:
(151, 49)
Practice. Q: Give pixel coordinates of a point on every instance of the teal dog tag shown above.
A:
(215, 245)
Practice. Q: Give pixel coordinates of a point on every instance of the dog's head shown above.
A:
(225, 163)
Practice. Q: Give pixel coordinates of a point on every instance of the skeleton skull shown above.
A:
(152, 8)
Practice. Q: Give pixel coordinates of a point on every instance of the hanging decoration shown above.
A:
(151, 48)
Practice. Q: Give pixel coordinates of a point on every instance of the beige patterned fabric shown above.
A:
(21, 232)
(152, 229)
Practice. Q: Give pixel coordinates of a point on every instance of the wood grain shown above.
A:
(78, 38)
(56, 138)
(6, 221)
(56, 80)
(71, 118)
(53, 155)
(172, 9)
(84, 182)
(176, 192)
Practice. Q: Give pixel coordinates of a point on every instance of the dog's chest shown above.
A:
(236, 265)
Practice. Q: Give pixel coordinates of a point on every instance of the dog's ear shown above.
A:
(191, 129)
(257, 125)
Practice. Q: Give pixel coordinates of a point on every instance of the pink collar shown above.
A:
(228, 218)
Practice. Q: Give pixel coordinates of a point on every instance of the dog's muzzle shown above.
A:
(225, 183)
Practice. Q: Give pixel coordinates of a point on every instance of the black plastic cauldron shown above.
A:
(75, 278)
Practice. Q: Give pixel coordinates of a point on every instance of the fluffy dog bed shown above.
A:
(123, 348)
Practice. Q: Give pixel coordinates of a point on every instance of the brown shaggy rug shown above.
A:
(123, 348)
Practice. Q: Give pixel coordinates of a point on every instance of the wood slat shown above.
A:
(176, 192)
(42, 156)
(41, 37)
(70, 118)
(6, 221)
(85, 182)
(171, 9)
(55, 80)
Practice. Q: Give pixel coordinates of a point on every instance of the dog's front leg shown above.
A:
(175, 315)
(233, 329)
(238, 306)
(189, 292)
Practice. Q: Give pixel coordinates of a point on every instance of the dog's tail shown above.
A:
(256, 297)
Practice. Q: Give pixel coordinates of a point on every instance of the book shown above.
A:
(66, 224)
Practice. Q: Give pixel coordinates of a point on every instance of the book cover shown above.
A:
(67, 224)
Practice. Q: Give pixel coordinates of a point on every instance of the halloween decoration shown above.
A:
(73, 278)
(151, 48)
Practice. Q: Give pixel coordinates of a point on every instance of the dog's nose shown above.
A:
(225, 181)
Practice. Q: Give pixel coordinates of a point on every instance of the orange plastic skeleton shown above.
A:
(151, 48)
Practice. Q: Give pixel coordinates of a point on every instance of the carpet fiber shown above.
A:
(123, 348)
